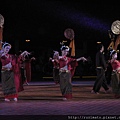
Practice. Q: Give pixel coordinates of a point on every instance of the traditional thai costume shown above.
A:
(56, 71)
(66, 72)
(9, 78)
(115, 78)
(25, 67)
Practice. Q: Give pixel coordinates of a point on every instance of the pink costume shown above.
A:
(116, 65)
(11, 78)
(66, 72)
(115, 78)
(70, 63)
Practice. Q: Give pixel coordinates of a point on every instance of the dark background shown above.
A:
(43, 22)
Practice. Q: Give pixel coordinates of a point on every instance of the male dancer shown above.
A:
(100, 68)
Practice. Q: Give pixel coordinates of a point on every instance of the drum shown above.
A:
(115, 27)
(1, 20)
(69, 33)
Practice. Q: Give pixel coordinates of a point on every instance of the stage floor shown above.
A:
(44, 98)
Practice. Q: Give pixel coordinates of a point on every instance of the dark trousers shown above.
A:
(100, 80)
(108, 74)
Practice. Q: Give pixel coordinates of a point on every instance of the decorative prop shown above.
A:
(1, 29)
(69, 34)
(114, 44)
(115, 27)
(1, 20)
(112, 37)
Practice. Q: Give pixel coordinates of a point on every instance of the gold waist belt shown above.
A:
(99, 67)
(64, 70)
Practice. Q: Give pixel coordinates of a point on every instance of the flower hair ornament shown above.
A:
(112, 51)
(65, 48)
(6, 44)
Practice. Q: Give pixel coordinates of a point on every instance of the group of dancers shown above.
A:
(15, 71)
(13, 68)
(64, 69)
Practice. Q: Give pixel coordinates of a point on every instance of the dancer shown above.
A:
(55, 61)
(25, 68)
(115, 77)
(67, 66)
(10, 73)
(101, 67)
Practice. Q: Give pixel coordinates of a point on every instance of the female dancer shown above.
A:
(10, 73)
(115, 78)
(67, 67)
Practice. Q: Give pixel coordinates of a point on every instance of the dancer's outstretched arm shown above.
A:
(81, 58)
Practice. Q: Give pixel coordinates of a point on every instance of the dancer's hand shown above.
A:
(82, 58)
(25, 53)
(33, 58)
(50, 59)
